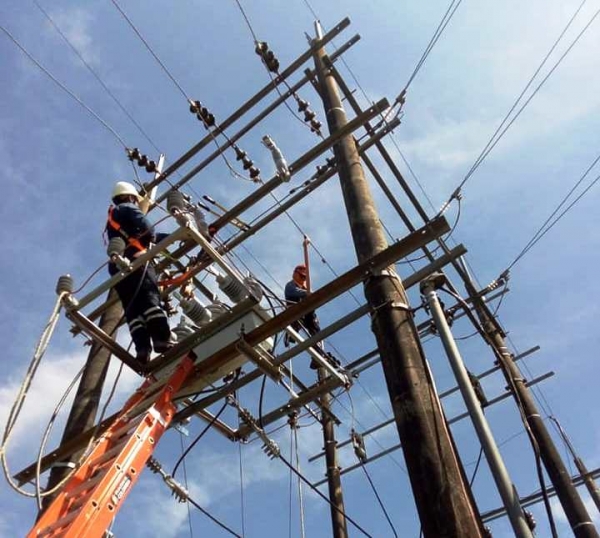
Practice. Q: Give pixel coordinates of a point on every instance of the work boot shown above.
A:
(160, 346)
(143, 356)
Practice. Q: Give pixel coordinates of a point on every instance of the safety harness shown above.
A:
(131, 241)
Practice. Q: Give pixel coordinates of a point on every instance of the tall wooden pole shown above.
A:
(438, 485)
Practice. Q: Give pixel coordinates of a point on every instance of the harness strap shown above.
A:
(131, 241)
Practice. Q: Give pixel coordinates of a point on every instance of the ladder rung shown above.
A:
(108, 455)
(60, 523)
(129, 425)
(84, 486)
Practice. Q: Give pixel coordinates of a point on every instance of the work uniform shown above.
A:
(294, 293)
(138, 291)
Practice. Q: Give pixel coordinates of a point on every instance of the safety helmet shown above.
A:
(123, 188)
(300, 269)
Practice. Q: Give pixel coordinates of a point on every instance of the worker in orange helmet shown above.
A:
(296, 291)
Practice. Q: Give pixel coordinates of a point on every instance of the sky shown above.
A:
(59, 164)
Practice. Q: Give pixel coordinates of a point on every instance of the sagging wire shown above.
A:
(63, 87)
(472, 481)
(195, 441)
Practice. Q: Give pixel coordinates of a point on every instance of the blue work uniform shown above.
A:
(138, 292)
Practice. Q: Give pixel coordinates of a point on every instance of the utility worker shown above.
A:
(138, 292)
(295, 291)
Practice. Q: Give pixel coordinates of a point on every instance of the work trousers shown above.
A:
(140, 298)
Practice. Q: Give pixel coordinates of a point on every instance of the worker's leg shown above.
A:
(154, 316)
(128, 291)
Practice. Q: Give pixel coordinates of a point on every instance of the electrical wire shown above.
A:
(502, 129)
(324, 497)
(213, 518)
(242, 499)
(381, 505)
(95, 74)
(549, 223)
(63, 87)
(185, 481)
(195, 441)
(476, 468)
(432, 42)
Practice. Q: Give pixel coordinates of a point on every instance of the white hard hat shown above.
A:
(122, 188)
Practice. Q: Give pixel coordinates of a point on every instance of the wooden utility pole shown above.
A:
(334, 481)
(439, 487)
(575, 510)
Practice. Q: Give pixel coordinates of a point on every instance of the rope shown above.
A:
(62, 86)
(17, 406)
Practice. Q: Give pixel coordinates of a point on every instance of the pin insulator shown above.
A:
(133, 154)
(240, 154)
(64, 284)
(151, 166)
(247, 163)
(143, 160)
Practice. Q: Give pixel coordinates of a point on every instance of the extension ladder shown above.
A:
(90, 499)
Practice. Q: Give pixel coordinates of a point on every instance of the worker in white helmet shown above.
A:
(138, 292)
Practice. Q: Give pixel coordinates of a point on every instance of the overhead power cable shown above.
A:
(549, 223)
(191, 102)
(434, 39)
(95, 75)
(62, 86)
(504, 126)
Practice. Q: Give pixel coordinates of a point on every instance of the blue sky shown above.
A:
(59, 165)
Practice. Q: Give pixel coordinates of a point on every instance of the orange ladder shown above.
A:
(91, 498)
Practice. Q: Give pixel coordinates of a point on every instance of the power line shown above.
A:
(62, 86)
(434, 39)
(95, 74)
(549, 223)
(502, 131)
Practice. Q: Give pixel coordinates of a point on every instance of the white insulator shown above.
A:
(196, 311)
(233, 288)
(116, 246)
(64, 284)
(176, 201)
